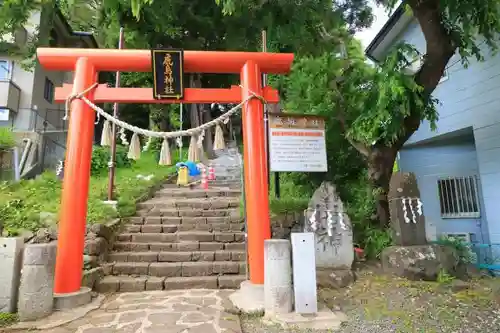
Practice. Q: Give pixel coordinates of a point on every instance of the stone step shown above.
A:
(172, 228)
(179, 256)
(175, 220)
(181, 246)
(155, 212)
(111, 284)
(179, 269)
(197, 193)
(193, 203)
(182, 236)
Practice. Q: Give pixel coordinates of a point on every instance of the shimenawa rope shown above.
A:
(197, 133)
(224, 118)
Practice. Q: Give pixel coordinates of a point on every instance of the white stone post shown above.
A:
(278, 294)
(11, 251)
(36, 293)
(304, 272)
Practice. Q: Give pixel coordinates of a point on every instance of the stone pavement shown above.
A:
(186, 311)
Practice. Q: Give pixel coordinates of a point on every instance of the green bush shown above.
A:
(462, 248)
(101, 156)
(7, 319)
(371, 239)
(7, 140)
(287, 204)
(21, 203)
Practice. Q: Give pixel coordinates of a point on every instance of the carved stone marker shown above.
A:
(405, 207)
(327, 219)
(278, 295)
(36, 292)
(11, 250)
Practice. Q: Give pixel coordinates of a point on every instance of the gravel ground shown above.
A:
(377, 303)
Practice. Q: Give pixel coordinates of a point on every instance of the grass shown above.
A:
(430, 306)
(7, 319)
(293, 198)
(21, 203)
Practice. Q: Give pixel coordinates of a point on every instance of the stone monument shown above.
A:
(36, 291)
(412, 257)
(11, 250)
(406, 211)
(327, 219)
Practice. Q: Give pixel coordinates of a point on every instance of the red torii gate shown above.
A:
(87, 63)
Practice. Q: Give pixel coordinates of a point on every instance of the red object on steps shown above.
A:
(211, 173)
(204, 182)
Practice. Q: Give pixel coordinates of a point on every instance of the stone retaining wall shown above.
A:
(284, 224)
(98, 242)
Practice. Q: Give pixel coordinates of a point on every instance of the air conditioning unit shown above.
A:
(463, 236)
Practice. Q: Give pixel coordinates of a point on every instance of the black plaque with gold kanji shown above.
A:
(168, 73)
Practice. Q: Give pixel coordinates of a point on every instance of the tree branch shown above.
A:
(439, 44)
(363, 149)
(439, 50)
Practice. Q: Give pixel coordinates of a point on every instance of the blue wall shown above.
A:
(450, 156)
(470, 97)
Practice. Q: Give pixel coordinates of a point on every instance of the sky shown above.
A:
(380, 17)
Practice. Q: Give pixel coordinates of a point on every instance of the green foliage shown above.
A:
(21, 203)
(7, 139)
(7, 319)
(462, 248)
(101, 156)
(444, 277)
(287, 205)
(468, 23)
(370, 103)
(371, 239)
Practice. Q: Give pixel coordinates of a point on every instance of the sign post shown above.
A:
(297, 143)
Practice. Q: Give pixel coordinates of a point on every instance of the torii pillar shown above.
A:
(87, 63)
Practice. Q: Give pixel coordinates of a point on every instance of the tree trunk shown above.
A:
(208, 143)
(194, 82)
(380, 165)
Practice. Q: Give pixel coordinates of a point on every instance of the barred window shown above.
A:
(458, 197)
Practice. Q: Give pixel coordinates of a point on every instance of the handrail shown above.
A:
(25, 154)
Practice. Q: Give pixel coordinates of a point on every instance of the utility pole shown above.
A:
(111, 164)
(266, 125)
(181, 109)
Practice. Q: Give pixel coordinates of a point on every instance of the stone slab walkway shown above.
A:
(186, 311)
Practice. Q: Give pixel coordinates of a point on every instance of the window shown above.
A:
(4, 114)
(417, 63)
(4, 70)
(458, 197)
(48, 92)
(444, 77)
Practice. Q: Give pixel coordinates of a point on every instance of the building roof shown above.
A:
(86, 37)
(391, 29)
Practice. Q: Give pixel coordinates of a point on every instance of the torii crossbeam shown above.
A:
(87, 63)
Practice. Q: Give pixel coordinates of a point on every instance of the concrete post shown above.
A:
(304, 272)
(11, 251)
(36, 293)
(278, 297)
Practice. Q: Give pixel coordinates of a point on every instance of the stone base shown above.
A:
(324, 319)
(334, 278)
(59, 318)
(419, 262)
(249, 298)
(72, 300)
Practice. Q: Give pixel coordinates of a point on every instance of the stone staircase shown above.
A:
(181, 239)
